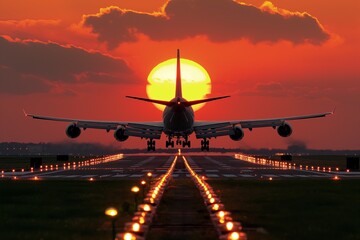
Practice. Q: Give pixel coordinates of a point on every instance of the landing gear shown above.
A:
(178, 141)
(186, 142)
(151, 145)
(169, 143)
(205, 145)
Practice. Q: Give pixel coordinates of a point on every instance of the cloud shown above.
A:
(33, 66)
(219, 20)
(49, 30)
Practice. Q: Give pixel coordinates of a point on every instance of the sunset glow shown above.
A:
(274, 58)
(196, 82)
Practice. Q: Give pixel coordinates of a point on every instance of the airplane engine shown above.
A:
(119, 135)
(238, 134)
(284, 130)
(72, 131)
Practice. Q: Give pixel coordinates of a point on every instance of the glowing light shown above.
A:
(143, 182)
(234, 236)
(221, 214)
(136, 227)
(91, 179)
(270, 178)
(111, 212)
(215, 207)
(129, 236)
(135, 189)
(196, 82)
(229, 226)
(336, 178)
(149, 174)
(147, 208)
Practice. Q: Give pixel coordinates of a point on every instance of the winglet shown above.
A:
(333, 111)
(26, 115)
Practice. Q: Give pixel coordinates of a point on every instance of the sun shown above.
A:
(196, 82)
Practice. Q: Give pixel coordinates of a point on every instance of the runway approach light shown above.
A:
(129, 236)
(111, 212)
(135, 189)
(229, 226)
(136, 227)
(234, 236)
(149, 174)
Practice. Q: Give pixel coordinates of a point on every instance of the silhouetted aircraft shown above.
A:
(179, 123)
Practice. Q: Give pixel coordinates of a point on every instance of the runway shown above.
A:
(211, 167)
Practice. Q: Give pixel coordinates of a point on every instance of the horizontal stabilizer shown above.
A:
(166, 103)
(190, 103)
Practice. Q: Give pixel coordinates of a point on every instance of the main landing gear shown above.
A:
(186, 142)
(151, 145)
(205, 145)
(169, 142)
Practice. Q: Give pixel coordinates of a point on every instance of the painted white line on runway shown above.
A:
(46, 173)
(106, 175)
(69, 176)
(229, 175)
(246, 175)
(136, 175)
(212, 175)
(88, 176)
(120, 175)
(270, 175)
(286, 175)
(301, 175)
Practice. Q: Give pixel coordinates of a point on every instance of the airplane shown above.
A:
(179, 122)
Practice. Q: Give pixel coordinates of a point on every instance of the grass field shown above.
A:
(294, 209)
(61, 209)
(278, 209)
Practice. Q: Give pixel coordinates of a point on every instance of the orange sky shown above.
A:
(65, 58)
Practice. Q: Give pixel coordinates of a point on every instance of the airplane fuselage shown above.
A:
(178, 118)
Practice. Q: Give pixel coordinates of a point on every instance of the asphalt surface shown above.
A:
(211, 166)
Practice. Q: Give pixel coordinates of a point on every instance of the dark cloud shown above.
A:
(219, 20)
(29, 66)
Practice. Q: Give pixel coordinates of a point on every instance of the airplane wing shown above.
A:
(136, 129)
(205, 129)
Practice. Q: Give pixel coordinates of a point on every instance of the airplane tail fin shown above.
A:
(178, 90)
